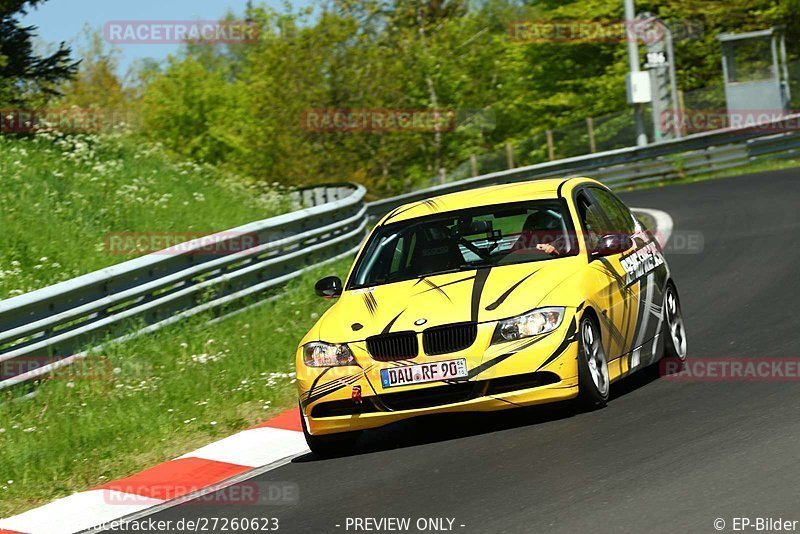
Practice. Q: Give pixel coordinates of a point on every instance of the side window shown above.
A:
(591, 219)
(401, 257)
(397, 257)
(619, 216)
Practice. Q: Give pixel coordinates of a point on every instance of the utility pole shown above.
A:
(633, 63)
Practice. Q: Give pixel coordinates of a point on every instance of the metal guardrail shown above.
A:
(59, 321)
(44, 329)
(690, 155)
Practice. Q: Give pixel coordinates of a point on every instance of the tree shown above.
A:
(96, 85)
(22, 71)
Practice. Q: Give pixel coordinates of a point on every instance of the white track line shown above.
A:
(78, 512)
(253, 448)
(141, 514)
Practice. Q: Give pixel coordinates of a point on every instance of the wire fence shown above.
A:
(609, 132)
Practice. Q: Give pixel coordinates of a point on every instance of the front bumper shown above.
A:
(517, 374)
(563, 390)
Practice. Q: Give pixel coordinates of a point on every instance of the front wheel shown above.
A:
(328, 445)
(673, 331)
(593, 383)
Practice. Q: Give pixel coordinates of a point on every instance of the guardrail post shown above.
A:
(510, 155)
(473, 164)
(590, 130)
(550, 147)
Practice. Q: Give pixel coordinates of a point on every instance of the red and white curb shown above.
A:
(266, 444)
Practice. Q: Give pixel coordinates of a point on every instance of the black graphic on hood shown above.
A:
(370, 303)
(505, 295)
(433, 287)
(442, 285)
(477, 291)
(356, 327)
(388, 327)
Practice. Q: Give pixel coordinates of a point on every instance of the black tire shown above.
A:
(672, 329)
(593, 382)
(328, 445)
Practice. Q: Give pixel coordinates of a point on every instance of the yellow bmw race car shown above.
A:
(488, 299)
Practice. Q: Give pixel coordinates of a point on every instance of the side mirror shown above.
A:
(611, 244)
(329, 287)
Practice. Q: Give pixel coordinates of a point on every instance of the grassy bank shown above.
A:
(154, 398)
(60, 195)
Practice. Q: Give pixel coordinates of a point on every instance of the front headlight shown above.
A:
(533, 323)
(321, 354)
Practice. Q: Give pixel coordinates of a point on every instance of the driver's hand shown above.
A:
(547, 249)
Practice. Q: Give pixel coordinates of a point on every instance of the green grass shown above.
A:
(60, 195)
(154, 398)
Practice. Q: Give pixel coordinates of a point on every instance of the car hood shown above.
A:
(481, 295)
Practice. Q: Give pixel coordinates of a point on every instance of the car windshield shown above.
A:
(463, 240)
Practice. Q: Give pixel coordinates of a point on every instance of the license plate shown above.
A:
(424, 372)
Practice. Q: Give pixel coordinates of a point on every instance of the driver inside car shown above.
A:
(542, 231)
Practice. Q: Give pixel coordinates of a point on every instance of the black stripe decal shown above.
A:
(504, 296)
(370, 302)
(494, 361)
(329, 388)
(477, 291)
(388, 327)
(447, 284)
(438, 289)
(430, 202)
(316, 380)
(331, 385)
(571, 337)
(613, 330)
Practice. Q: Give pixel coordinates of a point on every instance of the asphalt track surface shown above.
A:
(663, 456)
